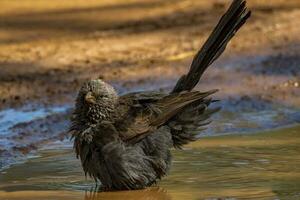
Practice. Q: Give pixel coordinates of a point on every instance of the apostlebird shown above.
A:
(124, 141)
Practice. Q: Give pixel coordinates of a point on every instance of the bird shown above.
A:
(124, 141)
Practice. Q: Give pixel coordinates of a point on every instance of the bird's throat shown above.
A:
(96, 113)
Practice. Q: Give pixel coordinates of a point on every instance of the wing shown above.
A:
(142, 113)
(135, 111)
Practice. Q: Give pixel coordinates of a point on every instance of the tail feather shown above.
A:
(229, 24)
(186, 126)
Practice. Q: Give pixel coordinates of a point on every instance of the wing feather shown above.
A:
(140, 116)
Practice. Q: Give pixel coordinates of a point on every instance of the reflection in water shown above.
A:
(260, 166)
(154, 193)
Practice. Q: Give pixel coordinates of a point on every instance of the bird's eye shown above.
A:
(101, 96)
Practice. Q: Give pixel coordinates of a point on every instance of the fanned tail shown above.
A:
(236, 15)
(186, 125)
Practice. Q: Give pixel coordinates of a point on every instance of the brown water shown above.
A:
(259, 166)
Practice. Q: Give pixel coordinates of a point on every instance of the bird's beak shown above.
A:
(89, 98)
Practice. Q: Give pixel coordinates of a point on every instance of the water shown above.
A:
(249, 121)
(25, 129)
(259, 166)
(11, 117)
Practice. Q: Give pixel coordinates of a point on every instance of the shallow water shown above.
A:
(25, 129)
(12, 117)
(261, 166)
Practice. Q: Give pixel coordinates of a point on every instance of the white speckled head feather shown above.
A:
(100, 88)
(102, 101)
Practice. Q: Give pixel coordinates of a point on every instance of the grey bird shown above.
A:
(124, 141)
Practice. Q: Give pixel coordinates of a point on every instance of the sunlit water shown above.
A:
(11, 117)
(260, 166)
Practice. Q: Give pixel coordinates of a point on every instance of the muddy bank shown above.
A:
(47, 51)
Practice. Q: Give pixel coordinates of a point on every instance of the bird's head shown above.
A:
(95, 100)
(96, 91)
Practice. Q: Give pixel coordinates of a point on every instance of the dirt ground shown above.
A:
(49, 48)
